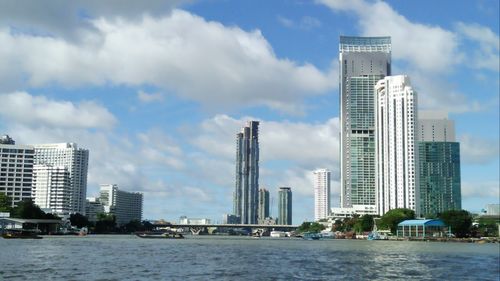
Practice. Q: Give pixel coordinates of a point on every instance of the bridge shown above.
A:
(254, 228)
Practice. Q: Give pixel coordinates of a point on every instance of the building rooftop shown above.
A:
(430, 222)
(365, 44)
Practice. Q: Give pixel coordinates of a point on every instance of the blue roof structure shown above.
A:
(434, 222)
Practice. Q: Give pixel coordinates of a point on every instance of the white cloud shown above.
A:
(286, 22)
(67, 18)
(308, 22)
(305, 23)
(23, 108)
(429, 48)
(149, 97)
(428, 53)
(477, 189)
(475, 150)
(197, 59)
(306, 145)
(485, 55)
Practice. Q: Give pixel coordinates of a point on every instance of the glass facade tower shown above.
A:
(285, 206)
(439, 166)
(263, 205)
(363, 61)
(247, 174)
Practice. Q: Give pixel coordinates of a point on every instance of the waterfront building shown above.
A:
(247, 173)
(361, 210)
(493, 209)
(16, 169)
(52, 189)
(285, 206)
(75, 161)
(397, 177)
(195, 221)
(125, 206)
(363, 61)
(93, 207)
(423, 229)
(321, 194)
(439, 166)
(263, 208)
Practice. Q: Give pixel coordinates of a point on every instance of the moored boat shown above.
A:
(326, 234)
(311, 236)
(20, 234)
(277, 234)
(162, 235)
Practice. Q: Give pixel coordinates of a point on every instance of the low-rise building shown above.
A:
(492, 210)
(341, 213)
(93, 207)
(423, 229)
(196, 221)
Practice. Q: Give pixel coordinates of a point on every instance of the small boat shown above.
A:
(277, 234)
(374, 235)
(83, 231)
(20, 234)
(327, 234)
(162, 235)
(311, 236)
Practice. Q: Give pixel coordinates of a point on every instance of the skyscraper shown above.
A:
(363, 61)
(397, 177)
(16, 169)
(321, 194)
(75, 161)
(285, 206)
(247, 173)
(263, 205)
(439, 166)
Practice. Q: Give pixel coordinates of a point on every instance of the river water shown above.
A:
(123, 257)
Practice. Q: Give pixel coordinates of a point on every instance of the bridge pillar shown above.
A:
(197, 230)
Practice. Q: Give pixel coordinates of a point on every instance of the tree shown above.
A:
(365, 223)
(105, 223)
(133, 226)
(310, 227)
(460, 222)
(79, 220)
(5, 203)
(392, 218)
(26, 209)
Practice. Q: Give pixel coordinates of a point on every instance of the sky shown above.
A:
(157, 90)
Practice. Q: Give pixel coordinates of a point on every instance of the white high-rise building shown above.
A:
(16, 169)
(396, 115)
(52, 188)
(126, 206)
(75, 161)
(321, 194)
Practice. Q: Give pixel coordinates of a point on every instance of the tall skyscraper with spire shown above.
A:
(245, 201)
(363, 61)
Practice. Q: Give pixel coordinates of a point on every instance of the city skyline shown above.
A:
(157, 93)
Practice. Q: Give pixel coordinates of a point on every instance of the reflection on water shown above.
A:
(234, 258)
